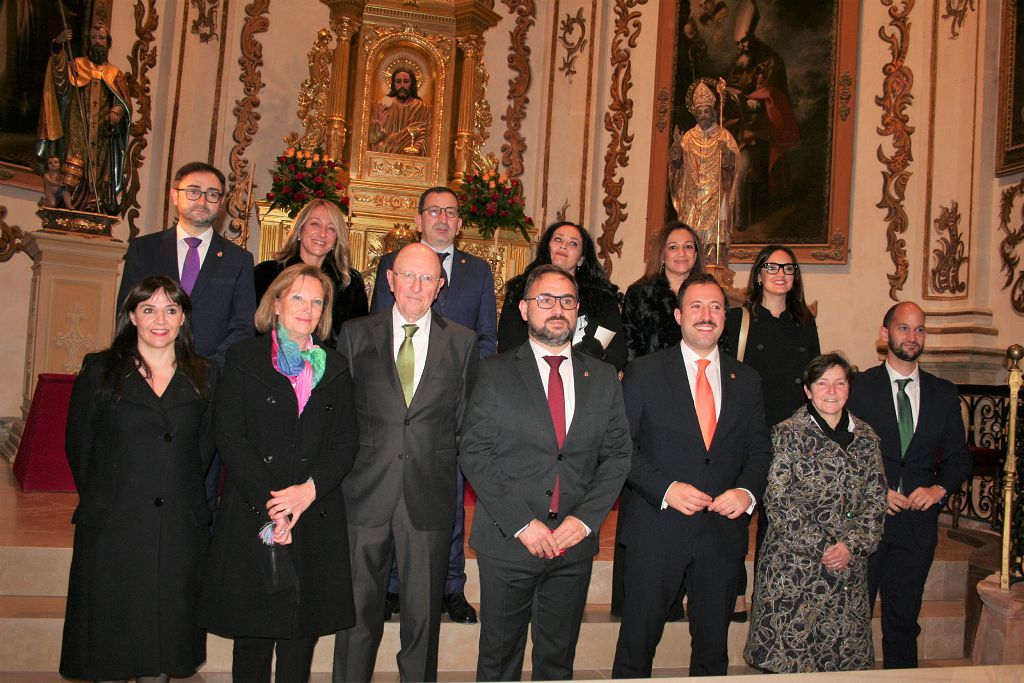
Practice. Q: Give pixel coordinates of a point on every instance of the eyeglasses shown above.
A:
(435, 211)
(787, 268)
(193, 193)
(410, 278)
(546, 301)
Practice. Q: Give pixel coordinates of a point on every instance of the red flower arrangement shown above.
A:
(302, 175)
(490, 202)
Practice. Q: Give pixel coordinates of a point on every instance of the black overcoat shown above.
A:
(267, 446)
(141, 527)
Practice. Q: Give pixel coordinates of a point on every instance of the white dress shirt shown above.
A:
(714, 374)
(913, 390)
(420, 342)
(564, 370)
(206, 236)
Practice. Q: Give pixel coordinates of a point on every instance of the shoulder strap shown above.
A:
(741, 349)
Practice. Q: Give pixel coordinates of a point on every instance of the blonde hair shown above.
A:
(341, 251)
(266, 318)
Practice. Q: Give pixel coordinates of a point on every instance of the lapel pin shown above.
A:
(586, 373)
(219, 254)
(732, 375)
(462, 260)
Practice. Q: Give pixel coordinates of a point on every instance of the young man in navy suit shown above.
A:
(924, 452)
(467, 298)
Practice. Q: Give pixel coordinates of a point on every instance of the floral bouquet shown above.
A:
(490, 201)
(301, 175)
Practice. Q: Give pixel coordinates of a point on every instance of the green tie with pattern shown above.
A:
(905, 417)
(407, 362)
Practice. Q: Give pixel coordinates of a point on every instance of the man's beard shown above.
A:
(541, 333)
(903, 355)
(403, 94)
(98, 54)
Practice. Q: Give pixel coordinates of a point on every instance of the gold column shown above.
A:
(472, 49)
(1014, 354)
(344, 29)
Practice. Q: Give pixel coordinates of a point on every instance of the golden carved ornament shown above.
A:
(616, 122)
(951, 253)
(373, 35)
(956, 10)
(313, 92)
(573, 44)
(247, 121)
(1008, 247)
(514, 147)
(205, 24)
(482, 117)
(845, 95)
(11, 237)
(895, 124)
(141, 59)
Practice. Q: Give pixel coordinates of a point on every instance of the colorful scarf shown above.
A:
(306, 366)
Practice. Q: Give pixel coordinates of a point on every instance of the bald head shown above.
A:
(414, 296)
(903, 331)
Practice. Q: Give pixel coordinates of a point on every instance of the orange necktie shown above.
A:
(705, 403)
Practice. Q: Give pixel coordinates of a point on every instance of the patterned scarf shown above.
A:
(304, 366)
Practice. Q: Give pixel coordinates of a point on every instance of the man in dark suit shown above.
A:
(412, 370)
(700, 464)
(546, 447)
(467, 298)
(216, 274)
(924, 452)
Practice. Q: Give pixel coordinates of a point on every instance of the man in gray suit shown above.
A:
(412, 370)
(546, 447)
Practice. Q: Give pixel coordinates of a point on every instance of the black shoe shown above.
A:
(391, 606)
(458, 610)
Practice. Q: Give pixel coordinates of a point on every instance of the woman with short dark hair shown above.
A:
(826, 501)
(139, 442)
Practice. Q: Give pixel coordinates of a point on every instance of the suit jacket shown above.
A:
(937, 454)
(404, 450)
(467, 300)
(266, 445)
(511, 457)
(668, 446)
(223, 299)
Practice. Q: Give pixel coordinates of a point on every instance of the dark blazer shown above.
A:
(510, 456)
(467, 300)
(937, 454)
(599, 303)
(141, 526)
(349, 302)
(403, 450)
(223, 303)
(668, 446)
(779, 349)
(267, 446)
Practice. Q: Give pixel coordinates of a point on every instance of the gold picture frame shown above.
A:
(1010, 129)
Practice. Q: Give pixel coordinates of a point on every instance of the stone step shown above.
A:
(44, 571)
(31, 626)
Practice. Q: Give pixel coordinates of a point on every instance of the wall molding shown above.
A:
(513, 148)
(141, 59)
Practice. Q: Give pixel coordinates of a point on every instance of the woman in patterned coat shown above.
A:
(826, 502)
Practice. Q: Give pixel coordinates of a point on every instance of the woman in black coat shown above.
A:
(319, 237)
(279, 574)
(571, 248)
(781, 340)
(139, 442)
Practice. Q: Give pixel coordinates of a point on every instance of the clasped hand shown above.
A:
(690, 500)
(549, 544)
(836, 557)
(921, 498)
(286, 506)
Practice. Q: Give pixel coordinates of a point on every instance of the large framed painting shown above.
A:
(28, 28)
(789, 70)
(1010, 130)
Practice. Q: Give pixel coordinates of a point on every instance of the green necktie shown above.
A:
(905, 417)
(407, 362)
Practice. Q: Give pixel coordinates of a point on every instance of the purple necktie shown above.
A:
(190, 270)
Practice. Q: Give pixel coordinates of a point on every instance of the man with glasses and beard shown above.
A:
(924, 453)
(401, 121)
(84, 120)
(546, 446)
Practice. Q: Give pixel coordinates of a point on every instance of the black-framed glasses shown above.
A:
(435, 211)
(546, 301)
(787, 268)
(410, 278)
(193, 193)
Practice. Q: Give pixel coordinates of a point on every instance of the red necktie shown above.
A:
(556, 404)
(705, 403)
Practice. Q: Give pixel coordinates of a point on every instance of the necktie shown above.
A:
(905, 417)
(705, 403)
(406, 362)
(441, 256)
(556, 404)
(190, 269)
